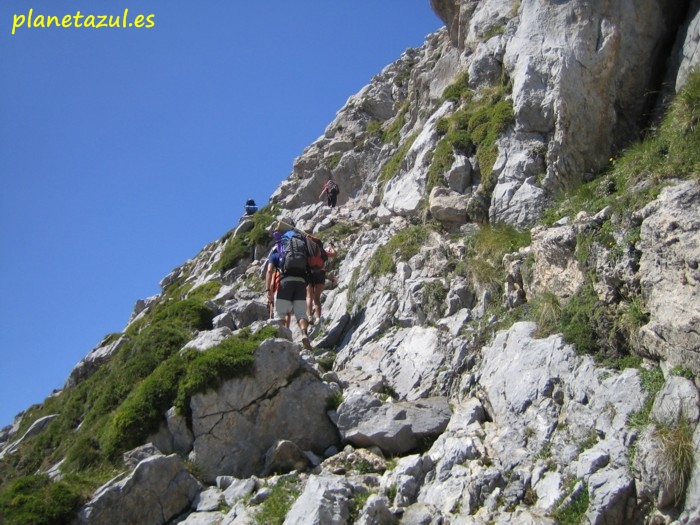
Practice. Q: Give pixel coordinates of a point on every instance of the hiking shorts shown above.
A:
(291, 297)
(317, 276)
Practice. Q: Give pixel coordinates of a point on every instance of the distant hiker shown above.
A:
(291, 261)
(318, 256)
(271, 274)
(250, 207)
(331, 190)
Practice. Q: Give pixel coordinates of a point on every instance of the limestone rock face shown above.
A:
(162, 481)
(670, 270)
(418, 355)
(396, 428)
(236, 424)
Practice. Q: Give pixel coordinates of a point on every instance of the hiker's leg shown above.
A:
(284, 303)
(318, 289)
(284, 308)
(309, 299)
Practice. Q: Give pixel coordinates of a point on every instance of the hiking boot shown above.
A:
(305, 341)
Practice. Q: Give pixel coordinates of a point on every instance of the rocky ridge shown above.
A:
(435, 408)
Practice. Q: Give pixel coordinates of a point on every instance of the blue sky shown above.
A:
(124, 151)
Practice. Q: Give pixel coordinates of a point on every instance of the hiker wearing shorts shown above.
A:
(291, 295)
(317, 279)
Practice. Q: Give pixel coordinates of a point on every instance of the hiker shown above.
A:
(250, 207)
(272, 284)
(331, 190)
(292, 263)
(318, 256)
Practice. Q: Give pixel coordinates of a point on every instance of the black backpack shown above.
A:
(333, 187)
(294, 256)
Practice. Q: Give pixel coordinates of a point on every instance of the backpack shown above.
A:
(333, 187)
(317, 255)
(294, 256)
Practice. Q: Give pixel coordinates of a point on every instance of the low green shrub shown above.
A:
(36, 500)
(434, 299)
(207, 370)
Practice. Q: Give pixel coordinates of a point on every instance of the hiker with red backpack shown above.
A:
(331, 190)
(318, 256)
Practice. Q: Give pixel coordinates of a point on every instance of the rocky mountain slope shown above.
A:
(510, 330)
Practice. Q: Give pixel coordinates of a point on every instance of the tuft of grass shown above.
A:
(677, 452)
(334, 401)
(632, 319)
(282, 496)
(333, 161)
(577, 319)
(574, 510)
(682, 371)
(546, 311)
(392, 133)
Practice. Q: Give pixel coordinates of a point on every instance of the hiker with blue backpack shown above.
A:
(291, 259)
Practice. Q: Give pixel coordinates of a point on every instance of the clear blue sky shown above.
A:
(124, 151)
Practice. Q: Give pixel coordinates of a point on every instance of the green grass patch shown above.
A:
(392, 133)
(240, 247)
(652, 382)
(282, 496)
(458, 90)
(574, 510)
(36, 500)
(401, 247)
(394, 164)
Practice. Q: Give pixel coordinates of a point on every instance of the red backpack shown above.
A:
(317, 255)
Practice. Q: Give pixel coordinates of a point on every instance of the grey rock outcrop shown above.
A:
(162, 481)
(99, 355)
(485, 421)
(235, 424)
(396, 428)
(671, 275)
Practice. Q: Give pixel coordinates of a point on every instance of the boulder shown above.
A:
(396, 428)
(280, 399)
(162, 481)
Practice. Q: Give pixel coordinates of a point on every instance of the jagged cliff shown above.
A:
(510, 330)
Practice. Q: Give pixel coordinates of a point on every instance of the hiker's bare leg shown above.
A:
(318, 289)
(309, 299)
